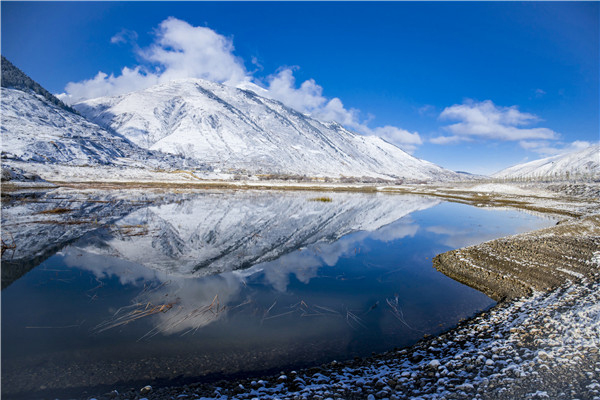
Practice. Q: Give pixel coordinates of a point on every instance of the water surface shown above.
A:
(127, 289)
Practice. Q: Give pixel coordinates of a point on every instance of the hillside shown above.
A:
(234, 129)
(582, 164)
(37, 128)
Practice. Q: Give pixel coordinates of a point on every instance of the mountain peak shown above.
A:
(14, 78)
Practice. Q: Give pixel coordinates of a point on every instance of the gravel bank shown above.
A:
(518, 265)
(541, 342)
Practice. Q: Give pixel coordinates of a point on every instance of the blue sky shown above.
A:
(470, 86)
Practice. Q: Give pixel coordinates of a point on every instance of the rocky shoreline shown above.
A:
(541, 341)
(517, 266)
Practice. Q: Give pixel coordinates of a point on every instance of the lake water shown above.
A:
(120, 290)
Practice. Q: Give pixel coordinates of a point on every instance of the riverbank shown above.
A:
(541, 341)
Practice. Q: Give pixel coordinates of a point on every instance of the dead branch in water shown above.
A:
(138, 311)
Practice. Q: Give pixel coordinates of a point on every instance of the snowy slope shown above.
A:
(34, 130)
(237, 129)
(580, 164)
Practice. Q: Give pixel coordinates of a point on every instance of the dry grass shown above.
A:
(59, 210)
(133, 230)
(397, 312)
(194, 319)
(200, 185)
(323, 199)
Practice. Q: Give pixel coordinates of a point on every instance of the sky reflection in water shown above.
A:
(331, 281)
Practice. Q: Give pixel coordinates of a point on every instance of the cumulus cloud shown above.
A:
(485, 120)
(186, 51)
(109, 85)
(546, 148)
(180, 50)
(308, 98)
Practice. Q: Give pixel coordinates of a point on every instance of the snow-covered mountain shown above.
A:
(35, 130)
(584, 164)
(235, 129)
(38, 128)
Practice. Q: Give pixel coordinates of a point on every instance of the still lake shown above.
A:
(129, 288)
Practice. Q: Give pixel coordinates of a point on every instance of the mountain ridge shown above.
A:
(14, 78)
(233, 128)
(584, 164)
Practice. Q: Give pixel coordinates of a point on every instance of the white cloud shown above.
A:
(546, 148)
(308, 98)
(180, 50)
(108, 85)
(403, 138)
(186, 51)
(485, 120)
(427, 109)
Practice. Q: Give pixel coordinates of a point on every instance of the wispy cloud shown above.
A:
(448, 139)
(487, 121)
(427, 109)
(124, 36)
(180, 50)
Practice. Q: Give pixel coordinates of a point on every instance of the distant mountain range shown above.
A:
(198, 125)
(582, 164)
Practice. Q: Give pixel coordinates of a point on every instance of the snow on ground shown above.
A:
(504, 188)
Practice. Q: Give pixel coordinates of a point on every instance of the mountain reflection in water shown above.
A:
(179, 286)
